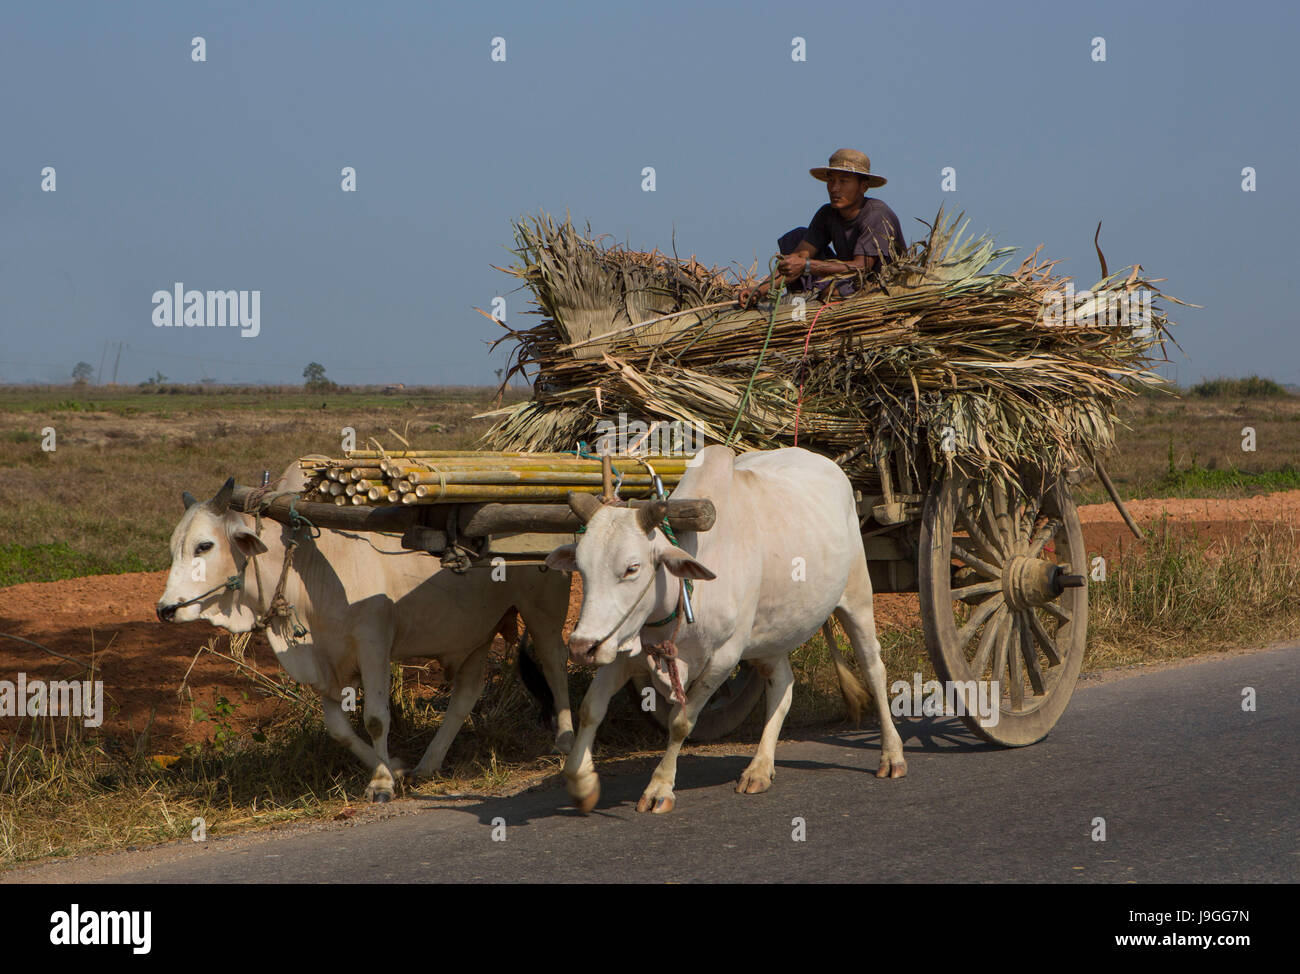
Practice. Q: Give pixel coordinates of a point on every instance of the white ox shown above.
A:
(364, 601)
(784, 554)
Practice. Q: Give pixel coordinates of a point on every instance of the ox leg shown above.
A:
(340, 728)
(658, 796)
(376, 686)
(580, 770)
(780, 685)
(858, 618)
(548, 638)
(466, 688)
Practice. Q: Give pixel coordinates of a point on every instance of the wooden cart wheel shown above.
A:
(726, 710)
(1003, 583)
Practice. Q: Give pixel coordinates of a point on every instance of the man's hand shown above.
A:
(793, 265)
(748, 295)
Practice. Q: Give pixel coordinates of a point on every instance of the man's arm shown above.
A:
(860, 262)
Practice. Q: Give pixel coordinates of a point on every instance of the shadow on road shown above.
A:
(622, 780)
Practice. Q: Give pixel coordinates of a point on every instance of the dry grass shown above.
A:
(62, 513)
(1185, 447)
(1178, 595)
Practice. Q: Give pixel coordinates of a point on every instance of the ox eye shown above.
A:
(202, 547)
(632, 569)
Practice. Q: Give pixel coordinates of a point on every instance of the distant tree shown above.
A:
(81, 373)
(314, 373)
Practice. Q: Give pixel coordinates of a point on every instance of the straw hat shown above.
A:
(849, 160)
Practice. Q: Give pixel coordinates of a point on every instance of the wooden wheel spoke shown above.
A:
(1040, 633)
(976, 590)
(989, 519)
(1053, 609)
(1005, 522)
(1027, 650)
(987, 548)
(979, 564)
(987, 642)
(977, 618)
(1015, 677)
(1000, 651)
(1027, 517)
(1042, 536)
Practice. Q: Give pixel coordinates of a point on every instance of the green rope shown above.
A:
(771, 324)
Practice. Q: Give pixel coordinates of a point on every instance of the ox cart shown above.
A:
(998, 562)
(961, 399)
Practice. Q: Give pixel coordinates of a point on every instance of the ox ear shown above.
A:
(220, 502)
(246, 542)
(562, 558)
(188, 499)
(683, 565)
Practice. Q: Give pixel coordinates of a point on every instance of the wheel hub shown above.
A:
(1029, 582)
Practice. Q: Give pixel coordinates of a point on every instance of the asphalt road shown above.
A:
(1192, 789)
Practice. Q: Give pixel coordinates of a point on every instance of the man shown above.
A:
(853, 233)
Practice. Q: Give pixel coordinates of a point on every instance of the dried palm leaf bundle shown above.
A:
(938, 357)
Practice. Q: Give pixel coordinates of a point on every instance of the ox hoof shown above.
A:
(586, 803)
(658, 799)
(754, 782)
(564, 742)
(895, 768)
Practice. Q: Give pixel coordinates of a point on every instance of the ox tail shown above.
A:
(854, 693)
(534, 681)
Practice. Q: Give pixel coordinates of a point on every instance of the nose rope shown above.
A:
(233, 583)
(664, 653)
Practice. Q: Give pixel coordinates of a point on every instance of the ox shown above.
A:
(784, 554)
(364, 601)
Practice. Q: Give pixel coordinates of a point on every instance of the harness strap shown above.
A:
(686, 585)
(280, 607)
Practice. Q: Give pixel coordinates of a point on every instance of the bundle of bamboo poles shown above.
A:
(373, 477)
(941, 357)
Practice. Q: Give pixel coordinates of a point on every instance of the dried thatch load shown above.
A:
(940, 358)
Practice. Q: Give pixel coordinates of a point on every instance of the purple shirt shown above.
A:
(871, 233)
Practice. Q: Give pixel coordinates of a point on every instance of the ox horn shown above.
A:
(188, 499)
(221, 500)
(649, 516)
(583, 505)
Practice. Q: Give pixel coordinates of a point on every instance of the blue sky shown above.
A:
(226, 174)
